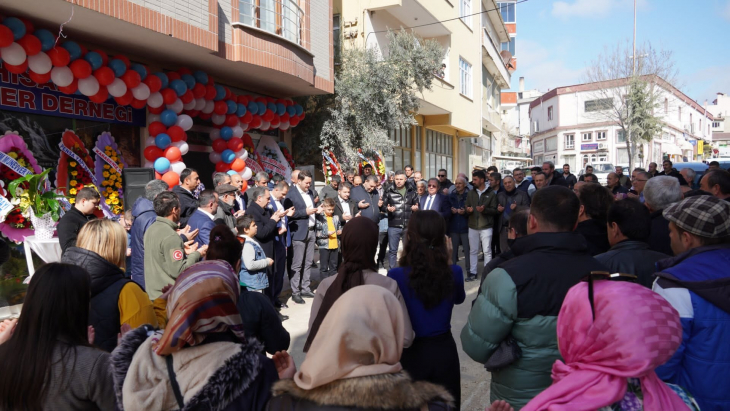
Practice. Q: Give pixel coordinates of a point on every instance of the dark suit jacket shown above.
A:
(285, 239)
(440, 204)
(299, 222)
(201, 221)
(339, 212)
(188, 204)
(266, 227)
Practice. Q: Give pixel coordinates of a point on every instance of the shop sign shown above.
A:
(590, 146)
(20, 93)
(693, 142)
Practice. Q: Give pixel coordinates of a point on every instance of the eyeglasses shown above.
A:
(442, 175)
(432, 185)
(604, 275)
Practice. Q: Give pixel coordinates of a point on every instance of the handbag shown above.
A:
(507, 353)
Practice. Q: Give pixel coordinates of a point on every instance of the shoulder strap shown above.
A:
(173, 382)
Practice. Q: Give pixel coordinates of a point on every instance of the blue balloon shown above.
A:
(201, 77)
(94, 59)
(253, 107)
(163, 78)
(189, 80)
(291, 110)
(220, 93)
(16, 26)
(232, 106)
(72, 47)
(163, 141)
(271, 106)
(226, 133)
(280, 109)
(118, 67)
(300, 110)
(178, 86)
(231, 172)
(162, 165)
(140, 69)
(240, 110)
(228, 156)
(48, 40)
(262, 108)
(168, 118)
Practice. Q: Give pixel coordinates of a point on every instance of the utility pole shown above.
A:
(634, 54)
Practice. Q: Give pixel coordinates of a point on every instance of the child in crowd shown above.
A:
(253, 260)
(328, 228)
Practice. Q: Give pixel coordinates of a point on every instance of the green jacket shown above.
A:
(485, 219)
(164, 256)
(494, 317)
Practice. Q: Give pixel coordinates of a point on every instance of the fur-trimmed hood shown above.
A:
(211, 375)
(382, 391)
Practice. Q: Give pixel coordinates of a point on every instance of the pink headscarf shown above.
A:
(634, 332)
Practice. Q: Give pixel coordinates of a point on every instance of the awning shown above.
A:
(671, 149)
(512, 158)
(686, 145)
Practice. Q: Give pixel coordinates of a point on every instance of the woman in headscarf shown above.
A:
(354, 361)
(202, 359)
(359, 244)
(609, 360)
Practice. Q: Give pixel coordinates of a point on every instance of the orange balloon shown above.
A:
(244, 187)
(238, 165)
(173, 154)
(171, 178)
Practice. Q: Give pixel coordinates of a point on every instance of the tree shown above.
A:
(631, 93)
(374, 92)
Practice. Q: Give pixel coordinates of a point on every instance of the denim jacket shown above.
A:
(253, 279)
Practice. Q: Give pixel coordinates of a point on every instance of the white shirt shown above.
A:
(212, 217)
(479, 192)
(309, 203)
(345, 206)
(239, 200)
(429, 201)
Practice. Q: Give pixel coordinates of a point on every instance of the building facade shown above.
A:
(514, 150)
(568, 127)
(720, 110)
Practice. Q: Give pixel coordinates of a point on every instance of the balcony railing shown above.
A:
(281, 17)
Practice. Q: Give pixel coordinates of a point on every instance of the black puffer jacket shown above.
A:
(399, 217)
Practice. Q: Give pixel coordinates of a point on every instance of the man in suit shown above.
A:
(239, 207)
(368, 199)
(301, 225)
(345, 208)
(189, 180)
(330, 191)
(435, 200)
(282, 240)
(203, 218)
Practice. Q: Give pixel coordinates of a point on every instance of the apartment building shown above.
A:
(568, 128)
(720, 109)
(514, 150)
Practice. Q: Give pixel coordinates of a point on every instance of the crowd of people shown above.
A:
(590, 296)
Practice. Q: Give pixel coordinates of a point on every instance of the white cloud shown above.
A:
(565, 10)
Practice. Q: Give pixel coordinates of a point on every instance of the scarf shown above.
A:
(362, 335)
(202, 302)
(635, 331)
(359, 244)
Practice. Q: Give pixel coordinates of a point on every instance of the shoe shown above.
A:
(297, 298)
(471, 278)
(283, 317)
(307, 294)
(281, 305)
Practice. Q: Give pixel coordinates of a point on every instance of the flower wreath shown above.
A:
(109, 177)
(287, 154)
(15, 227)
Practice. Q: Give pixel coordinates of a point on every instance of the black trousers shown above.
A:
(328, 262)
(383, 244)
(275, 274)
(436, 360)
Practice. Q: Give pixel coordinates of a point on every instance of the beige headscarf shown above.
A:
(361, 335)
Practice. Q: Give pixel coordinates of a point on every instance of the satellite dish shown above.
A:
(506, 57)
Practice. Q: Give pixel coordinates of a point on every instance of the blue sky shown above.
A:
(556, 40)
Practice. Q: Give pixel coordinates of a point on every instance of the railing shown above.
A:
(281, 17)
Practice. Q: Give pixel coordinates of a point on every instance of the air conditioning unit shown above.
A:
(686, 127)
(602, 146)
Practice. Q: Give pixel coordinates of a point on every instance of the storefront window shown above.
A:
(439, 148)
(401, 157)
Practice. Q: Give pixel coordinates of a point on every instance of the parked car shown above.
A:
(600, 170)
(699, 169)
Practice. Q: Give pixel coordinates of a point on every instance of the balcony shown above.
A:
(492, 60)
(491, 119)
(283, 18)
(406, 12)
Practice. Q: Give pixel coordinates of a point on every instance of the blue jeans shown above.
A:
(395, 234)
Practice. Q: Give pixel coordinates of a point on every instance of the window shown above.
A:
(569, 160)
(336, 39)
(509, 45)
(598, 105)
(665, 136)
(569, 141)
(465, 11)
(679, 112)
(715, 124)
(508, 12)
(621, 136)
(622, 156)
(401, 138)
(666, 106)
(600, 135)
(587, 137)
(281, 17)
(603, 158)
(550, 113)
(267, 10)
(439, 153)
(465, 78)
(551, 143)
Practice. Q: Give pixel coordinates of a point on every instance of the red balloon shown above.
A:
(19, 69)
(168, 96)
(176, 133)
(156, 127)
(231, 120)
(152, 153)
(293, 121)
(220, 145)
(220, 107)
(284, 117)
(40, 78)
(268, 115)
(104, 75)
(71, 88)
(84, 50)
(6, 36)
(238, 165)
(247, 118)
(184, 70)
(187, 97)
(204, 116)
(153, 82)
(198, 90)
(156, 110)
(222, 167)
(281, 101)
(235, 143)
(242, 99)
(131, 78)
(101, 96)
(171, 178)
(210, 91)
(59, 57)
(255, 122)
(124, 59)
(126, 99)
(228, 93)
(28, 25)
(260, 99)
(171, 75)
(173, 154)
(192, 113)
(31, 44)
(104, 57)
(138, 103)
(81, 68)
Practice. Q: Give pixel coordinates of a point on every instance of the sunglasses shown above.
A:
(442, 175)
(431, 185)
(602, 276)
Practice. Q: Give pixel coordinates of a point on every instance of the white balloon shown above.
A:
(177, 166)
(88, 86)
(237, 131)
(183, 146)
(141, 92)
(243, 154)
(184, 121)
(117, 89)
(190, 105)
(14, 55)
(214, 157)
(199, 103)
(209, 106)
(177, 106)
(153, 117)
(62, 76)
(284, 125)
(150, 141)
(40, 63)
(218, 119)
(155, 100)
(265, 125)
(215, 134)
(247, 174)
(148, 164)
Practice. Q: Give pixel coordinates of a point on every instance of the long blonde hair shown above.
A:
(106, 238)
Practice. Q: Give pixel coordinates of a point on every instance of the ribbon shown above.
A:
(108, 160)
(5, 208)
(104, 207)
(13, 165)
(271, 165)
(253, 165)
